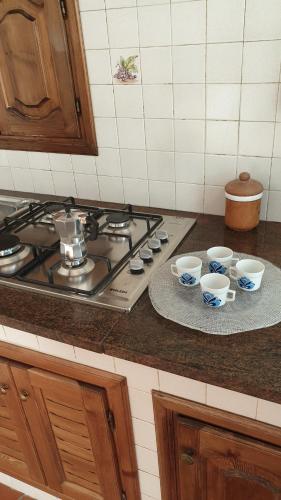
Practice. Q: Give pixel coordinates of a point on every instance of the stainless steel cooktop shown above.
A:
(92, 254)
(12, 205)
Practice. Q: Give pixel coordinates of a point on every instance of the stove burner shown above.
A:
(76, 271)
(9, 244)
(11, 263)
(118, 219)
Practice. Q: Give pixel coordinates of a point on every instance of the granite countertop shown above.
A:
(247, 362)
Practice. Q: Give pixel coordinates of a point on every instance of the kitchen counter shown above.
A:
(247, 362)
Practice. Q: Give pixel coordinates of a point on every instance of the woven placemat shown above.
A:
(250, 311)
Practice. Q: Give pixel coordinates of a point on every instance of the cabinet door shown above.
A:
(218, 465)
(36, 83)
(73, 438)
(18, 455)
(37, 95)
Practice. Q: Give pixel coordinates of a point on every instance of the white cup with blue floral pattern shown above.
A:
(188, 270)
(215, 290)
(220, 259)
(248, 273)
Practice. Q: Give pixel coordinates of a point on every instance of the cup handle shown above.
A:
(233, 273)
(174, 270)
(235, 259)
(230, 297)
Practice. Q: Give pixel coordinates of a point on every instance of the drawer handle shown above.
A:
(4, 388)
(24, 395)
(187, 457)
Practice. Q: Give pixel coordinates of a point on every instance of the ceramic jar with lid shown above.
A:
(243, 202)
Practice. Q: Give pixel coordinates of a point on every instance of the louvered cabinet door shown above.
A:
(214, 464)
(18, 456)
(74, 439)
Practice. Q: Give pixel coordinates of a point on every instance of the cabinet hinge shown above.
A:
(111, 420)
(78, 106)
(123, 496)
(63, 8)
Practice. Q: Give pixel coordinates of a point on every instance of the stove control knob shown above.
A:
(146, 255)
(136, 266)
(162, 235)
(154, 244)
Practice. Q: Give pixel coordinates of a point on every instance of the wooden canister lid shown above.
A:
(244, 186)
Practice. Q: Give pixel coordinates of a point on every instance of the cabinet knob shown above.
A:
(187, 456)
(4, 388)
(24, 395)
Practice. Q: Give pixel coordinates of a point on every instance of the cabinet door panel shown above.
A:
(189, 475)
(73, 418)
(37, 96)
(237, 467)
(17, 451)
(224, 465)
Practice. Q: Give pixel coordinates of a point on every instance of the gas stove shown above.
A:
(96, 255)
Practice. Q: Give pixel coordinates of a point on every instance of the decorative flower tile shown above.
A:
(127, 70)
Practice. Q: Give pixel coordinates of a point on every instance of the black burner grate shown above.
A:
(43, 252)
(118, 219)
(8, 241)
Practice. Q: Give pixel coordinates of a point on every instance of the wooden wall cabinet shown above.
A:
(45, 103)
(208, 454)
(63, 433)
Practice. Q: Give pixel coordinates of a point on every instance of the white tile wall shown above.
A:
(205, 106)
(54, 348)
(24, 488)
(19, 337)
(2, 333)
(141, 405)
(269, 412)
(182, 386)
(150, 485)
(94, 359)
(138, 376)
(232, 401)
(141, 381)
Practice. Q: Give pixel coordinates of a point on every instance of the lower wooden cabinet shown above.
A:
(207, 454)
(18, 455)
(63, 433)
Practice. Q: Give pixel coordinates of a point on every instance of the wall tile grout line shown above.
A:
(174, 129)
(115, 118)
(241, 84)
(273, 143)
(143, 108)
(184, 44)
(205, 118)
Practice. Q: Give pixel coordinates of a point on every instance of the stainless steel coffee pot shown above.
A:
(72, 225)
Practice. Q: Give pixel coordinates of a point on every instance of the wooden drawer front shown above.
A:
(74, 420)
(17, 451)
(214, 464)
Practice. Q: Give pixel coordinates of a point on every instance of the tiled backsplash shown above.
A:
(206, 104)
